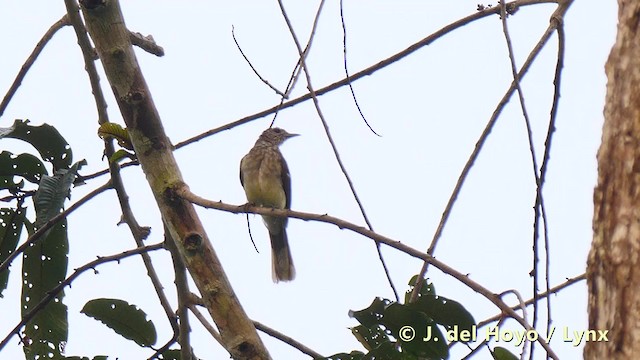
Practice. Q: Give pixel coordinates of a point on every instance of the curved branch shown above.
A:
(52, 294)
(184, 192)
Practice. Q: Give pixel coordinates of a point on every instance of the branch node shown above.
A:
(146, 43)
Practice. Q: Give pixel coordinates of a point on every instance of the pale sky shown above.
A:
(430, 109)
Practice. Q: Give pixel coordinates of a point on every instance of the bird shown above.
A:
(265, 177)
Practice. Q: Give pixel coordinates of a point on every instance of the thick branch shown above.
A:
(106, 26)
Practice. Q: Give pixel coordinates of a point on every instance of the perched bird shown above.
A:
(264, 175)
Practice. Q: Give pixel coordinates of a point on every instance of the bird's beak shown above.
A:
(292, 135)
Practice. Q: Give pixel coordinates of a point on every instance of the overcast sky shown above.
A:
(430, 108)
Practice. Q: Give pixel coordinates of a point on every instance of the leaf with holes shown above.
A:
(125, 319)
(53, 190)
(45, 138)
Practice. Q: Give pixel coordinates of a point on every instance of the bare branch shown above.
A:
(214, 333)
(52, 222)
(476, 151)
(184, 192)
(266, 82)
(369, 70)
(182, 290)
(316, 104)
(297, 69)
(64, 21)
(138, 232)
(346, 68)
(539, 207)
(286, 339)
(55, 291)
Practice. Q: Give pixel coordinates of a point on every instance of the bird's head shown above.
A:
(275, 136)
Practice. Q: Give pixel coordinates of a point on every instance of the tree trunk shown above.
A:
(613, 269)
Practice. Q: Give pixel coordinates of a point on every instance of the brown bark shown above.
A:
(155, 153)
(613, 269)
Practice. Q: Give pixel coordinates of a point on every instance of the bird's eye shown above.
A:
(277, 130)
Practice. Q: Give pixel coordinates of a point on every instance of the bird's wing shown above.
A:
(286, 182)
(241, 177)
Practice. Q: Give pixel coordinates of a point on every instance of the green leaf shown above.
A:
(370, 338)
(171, 354)
(426, 340)
(53, 190)
(425, 289)
(445, 311)
(121, 155)
(127, 320)
(45, 138)
(115, 131)
(500, 353)
(418, 334)
(372, 314)
(26, 166)
(44, 266)
(11, 222)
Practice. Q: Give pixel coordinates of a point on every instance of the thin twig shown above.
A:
(500, 317)
(207, 325)
(343, 82)
(64, 21)
(183, 293)
(333, 145)
(56, 290)
(522, 307)
(164, 347)
(538, 208)
(346, 68)
(533, 300)
(474, 154)
(286, 339)
(265, 81)
(557, 18)
(36, 236)
(367, 71)
(73, 13)
(297, 69)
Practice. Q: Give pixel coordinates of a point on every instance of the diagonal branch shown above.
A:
(476, 151)
(55, 291)
(138, 232)
(369, 70)
(106, 26)
(64, 21)
(336, 154)
(184, 193)
(36, 236)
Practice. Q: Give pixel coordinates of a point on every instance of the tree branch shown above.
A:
(106, 26)
(184, 192)
(55, 291)
(64, 21)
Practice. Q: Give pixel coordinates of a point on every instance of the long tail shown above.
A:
(282, 263)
